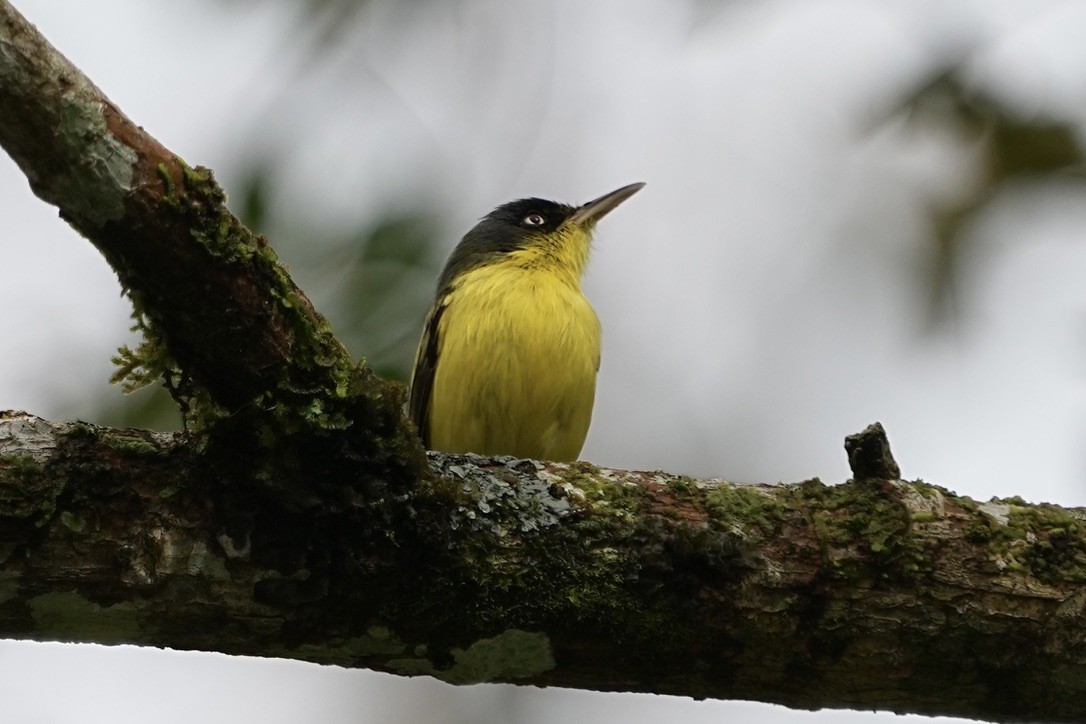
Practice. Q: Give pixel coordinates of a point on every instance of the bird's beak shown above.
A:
(588, 214)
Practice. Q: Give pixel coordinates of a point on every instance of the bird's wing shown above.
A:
(422, 379)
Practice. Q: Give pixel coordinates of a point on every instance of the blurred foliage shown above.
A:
(1011, 150)
(149, 408)
(323, 25)
(325, 20)
(374, 282)
(382, 272)
(255, 196)
(388, 291)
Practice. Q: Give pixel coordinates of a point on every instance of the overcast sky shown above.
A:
(760, 299)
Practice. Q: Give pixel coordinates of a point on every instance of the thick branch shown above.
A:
(872, 594)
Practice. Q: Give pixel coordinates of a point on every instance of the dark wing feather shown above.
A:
(422, 380)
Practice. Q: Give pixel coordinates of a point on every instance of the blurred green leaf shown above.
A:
(1013, 149)
(150, 408)
(254, 193)
(388, 290)
(383, 273)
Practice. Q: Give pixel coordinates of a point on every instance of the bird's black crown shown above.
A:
(506, 229)
(520, 213)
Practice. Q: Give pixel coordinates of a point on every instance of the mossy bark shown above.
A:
(876, 593)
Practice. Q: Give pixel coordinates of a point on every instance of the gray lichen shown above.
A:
(27, 436)
(507, 496)
(95, 192)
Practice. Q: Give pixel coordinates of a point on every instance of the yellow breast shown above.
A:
(519, 347)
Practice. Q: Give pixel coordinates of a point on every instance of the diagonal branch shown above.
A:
(227, 312)
(240, 346)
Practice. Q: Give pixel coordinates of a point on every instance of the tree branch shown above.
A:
(233, 318)
(873, 594)
(299, 517)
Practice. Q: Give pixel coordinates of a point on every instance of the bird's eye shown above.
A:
(534, 219)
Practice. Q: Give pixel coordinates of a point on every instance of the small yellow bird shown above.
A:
(509, 353)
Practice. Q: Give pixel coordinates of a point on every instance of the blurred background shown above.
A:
(855, 211)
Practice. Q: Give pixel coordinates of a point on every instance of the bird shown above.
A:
(510, 348)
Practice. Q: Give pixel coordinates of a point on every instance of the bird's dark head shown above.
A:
(534, 228)
(525, 218)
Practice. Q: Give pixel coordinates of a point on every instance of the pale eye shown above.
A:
(534, 220)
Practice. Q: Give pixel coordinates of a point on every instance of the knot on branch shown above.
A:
(869, 455)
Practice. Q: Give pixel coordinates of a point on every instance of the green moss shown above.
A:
(967, 503)
(9, 587)
(167, 180)
(318, 392)
(603, 494)
(512, 654)
(412, 667)
(683, 487)
(132, 445)
(81, 431)
(320, 370)
(1043, 540)
(931, 492)
(171, 490)
(73, 522)
(864, 529)
(1055, 542)
(757, 510)
(26, 492)
(20, 467)
(69, 616)
(377, 641)
(979, 530)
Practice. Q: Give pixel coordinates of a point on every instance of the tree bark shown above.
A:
(299, 517)
(877, 593)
